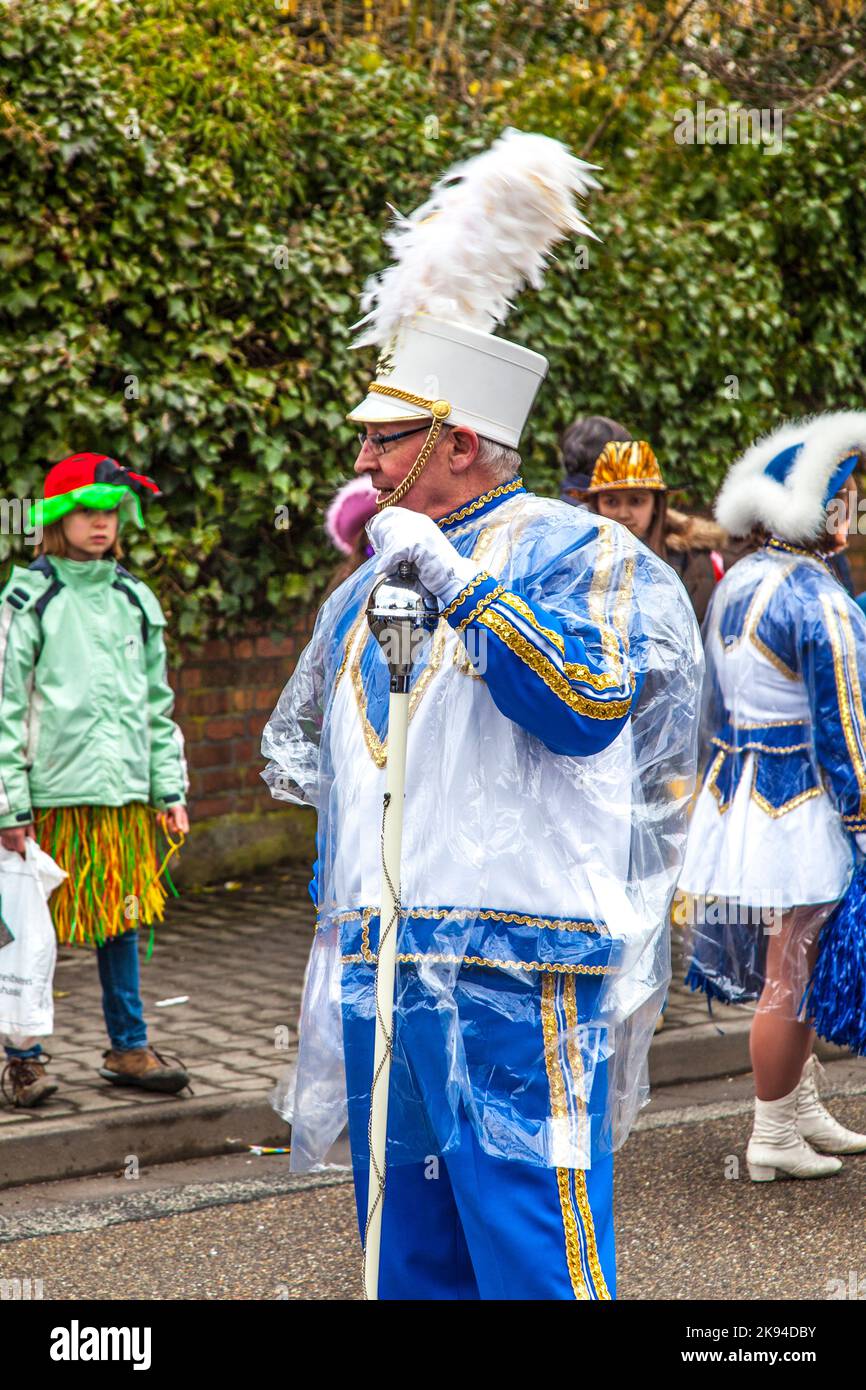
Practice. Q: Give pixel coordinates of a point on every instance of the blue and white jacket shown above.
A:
(551, 746)
(786, 665)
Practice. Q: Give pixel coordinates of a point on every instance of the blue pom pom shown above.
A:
(697, 980)
(835, 999)
(726, 957)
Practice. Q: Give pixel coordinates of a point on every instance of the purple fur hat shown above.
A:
(349, 512)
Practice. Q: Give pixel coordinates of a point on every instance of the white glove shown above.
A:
(860, 841)
(397, 534)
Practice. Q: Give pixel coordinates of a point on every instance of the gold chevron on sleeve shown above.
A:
(547, 672)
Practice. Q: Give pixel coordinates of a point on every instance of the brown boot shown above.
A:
(30, 1086)
(144, 1067)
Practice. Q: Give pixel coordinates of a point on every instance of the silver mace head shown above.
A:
(402, 613)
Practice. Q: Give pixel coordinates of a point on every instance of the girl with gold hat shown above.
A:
(626, 485)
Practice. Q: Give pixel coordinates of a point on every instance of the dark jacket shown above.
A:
(689, 545)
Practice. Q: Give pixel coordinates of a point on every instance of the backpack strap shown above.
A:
(42, 565)
(135, 600)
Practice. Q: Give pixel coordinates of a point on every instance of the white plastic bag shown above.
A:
(27, 961)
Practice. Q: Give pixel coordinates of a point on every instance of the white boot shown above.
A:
(776, 1146)
(816, 1124)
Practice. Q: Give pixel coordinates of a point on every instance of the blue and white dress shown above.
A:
(784, 756)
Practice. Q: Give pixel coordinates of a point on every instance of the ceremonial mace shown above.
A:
(401, 613)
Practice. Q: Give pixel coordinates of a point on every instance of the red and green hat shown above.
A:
(92, 480)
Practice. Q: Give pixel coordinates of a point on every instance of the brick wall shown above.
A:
(225, 692)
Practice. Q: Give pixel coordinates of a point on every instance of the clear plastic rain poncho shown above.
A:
(771, 844)
(551, 756)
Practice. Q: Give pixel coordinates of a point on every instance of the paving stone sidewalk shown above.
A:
(238, 952)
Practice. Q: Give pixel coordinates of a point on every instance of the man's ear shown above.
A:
(464, 448)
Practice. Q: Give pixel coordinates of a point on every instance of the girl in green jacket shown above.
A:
(89, 753)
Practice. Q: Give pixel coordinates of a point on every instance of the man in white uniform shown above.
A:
(550, 751)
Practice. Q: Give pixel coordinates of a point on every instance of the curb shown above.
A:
(78, 1147)
(65, 1217)
(168, 1132)
(706, 1051)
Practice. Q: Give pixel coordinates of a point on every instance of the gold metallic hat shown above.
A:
(632, 464)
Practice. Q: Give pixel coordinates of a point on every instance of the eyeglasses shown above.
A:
(378, 442)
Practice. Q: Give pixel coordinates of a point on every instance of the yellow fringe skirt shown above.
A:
(114, 870)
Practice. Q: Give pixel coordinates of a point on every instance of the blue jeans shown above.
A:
(121, 997)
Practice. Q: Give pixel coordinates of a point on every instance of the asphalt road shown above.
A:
(690, 1224)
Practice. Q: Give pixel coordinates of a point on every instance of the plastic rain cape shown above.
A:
(783, 749)
(536, 885)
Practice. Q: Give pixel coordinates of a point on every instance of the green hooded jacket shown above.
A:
(85, 704)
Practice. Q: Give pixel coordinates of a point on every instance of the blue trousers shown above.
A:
(122, 1008)
(468, 1226)
(460, 1223)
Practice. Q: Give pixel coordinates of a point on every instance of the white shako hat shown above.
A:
(487, 382)
(784, 481)
(459, 260)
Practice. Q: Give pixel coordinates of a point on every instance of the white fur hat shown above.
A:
(784, 481)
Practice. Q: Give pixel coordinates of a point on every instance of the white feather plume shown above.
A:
(484, 233)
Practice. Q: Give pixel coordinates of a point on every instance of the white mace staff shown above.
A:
(401, 613)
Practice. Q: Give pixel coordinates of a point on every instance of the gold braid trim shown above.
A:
(435, 958)
(773, 658)
(776, 811)
(547, 672)
(620, 611)
(376, 747)
(773, 811)
(774, 543)
(854, 678)
(845, 670)
(758, 747)
(480, 607)
(465, 914)
(516, 602)
(559, 1116)
(502, 491)
(755, 612)
(770, 724)
(440, 410)
(716, 768)
(465, 593)
(598, 590)
(580, 1189)
(350, 640)
(366, 956)
(573, 669)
